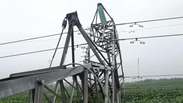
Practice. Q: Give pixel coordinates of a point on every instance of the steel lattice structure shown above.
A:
(94, 81)
(104, 36)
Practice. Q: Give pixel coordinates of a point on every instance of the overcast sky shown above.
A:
(21, 19)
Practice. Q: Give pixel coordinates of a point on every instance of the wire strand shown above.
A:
(38, 51)
(56, 48)
(148, 76)
(77, 45)
(29, 39)
(118, 24)
(152, 20)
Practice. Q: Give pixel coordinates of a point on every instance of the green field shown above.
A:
(147, 91)
(155, 91)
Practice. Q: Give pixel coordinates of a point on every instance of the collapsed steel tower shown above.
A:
(104, 35)
(94, 81)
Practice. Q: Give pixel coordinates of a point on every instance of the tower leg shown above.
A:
(85, 94)
(38, 93)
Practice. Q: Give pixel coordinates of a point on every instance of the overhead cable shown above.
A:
(118, 24)
(77, 45)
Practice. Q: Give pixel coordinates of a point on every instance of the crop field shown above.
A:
(155, 91)
(147, 91)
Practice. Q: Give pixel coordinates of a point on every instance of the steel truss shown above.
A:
(95, 81)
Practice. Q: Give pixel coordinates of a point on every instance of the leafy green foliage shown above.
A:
(19, 98)
(155, 91)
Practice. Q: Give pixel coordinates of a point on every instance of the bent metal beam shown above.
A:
(21, 82)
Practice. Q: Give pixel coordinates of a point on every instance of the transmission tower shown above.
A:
(104, 36)
(94, 81)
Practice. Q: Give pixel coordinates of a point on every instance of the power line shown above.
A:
(28, 39)
(118, 24)
(152, 20)
(150, 37)
(33, 38)
(77, 45)
(26, 53)
(39, 51)
(151, 28)
(152, 76)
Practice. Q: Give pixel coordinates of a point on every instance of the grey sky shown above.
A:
(21, 19)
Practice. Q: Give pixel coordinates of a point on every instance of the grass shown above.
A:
(19, 98)
(155, 91)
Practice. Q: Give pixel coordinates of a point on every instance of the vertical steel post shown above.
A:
(73, 58)
(96, 86)
(85, 88)
(31, 95)
(106, 88)
(38, 92)
(113, 69)
(66, 46)
(56, 91)
(113, 88)
(62, 89)
(73, 90)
